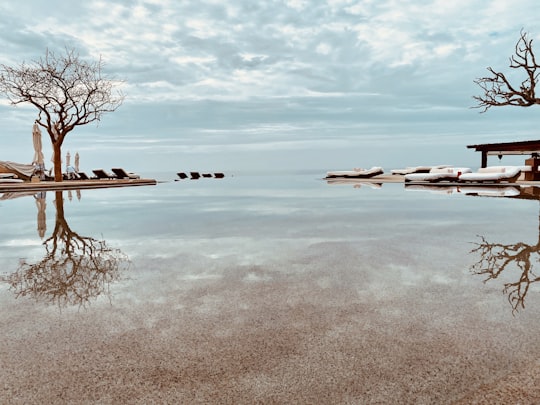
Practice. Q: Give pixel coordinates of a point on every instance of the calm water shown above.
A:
(407, 236)
(464, 265)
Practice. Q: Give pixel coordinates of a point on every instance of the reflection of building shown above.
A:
(529, 193)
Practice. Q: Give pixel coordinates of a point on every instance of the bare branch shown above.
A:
(497, 89)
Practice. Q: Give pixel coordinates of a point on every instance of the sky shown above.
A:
(277, 85)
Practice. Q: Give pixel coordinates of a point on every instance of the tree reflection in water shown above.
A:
(495, 258)
(74, 270)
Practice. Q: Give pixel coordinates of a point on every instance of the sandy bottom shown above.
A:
(321, 327)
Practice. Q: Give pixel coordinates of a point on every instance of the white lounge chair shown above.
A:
(494, 174)
(418, 169)
(438, 174)
(356, 173)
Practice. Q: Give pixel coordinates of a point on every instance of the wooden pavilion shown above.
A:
(531, 148)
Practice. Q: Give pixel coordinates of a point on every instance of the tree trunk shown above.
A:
(57, 149)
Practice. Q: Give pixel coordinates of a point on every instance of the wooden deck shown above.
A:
(29, 186)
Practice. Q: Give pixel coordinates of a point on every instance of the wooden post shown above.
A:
(533, 174)
(484, 158)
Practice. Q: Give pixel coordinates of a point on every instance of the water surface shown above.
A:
(270, 288)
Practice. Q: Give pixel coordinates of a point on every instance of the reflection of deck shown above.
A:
(73, 185)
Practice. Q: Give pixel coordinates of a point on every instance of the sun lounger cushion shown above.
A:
(357, 172)
(438, 174)
(507, 174)
(418, 169)
(502, 169)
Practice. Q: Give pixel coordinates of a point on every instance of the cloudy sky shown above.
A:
(278, 84)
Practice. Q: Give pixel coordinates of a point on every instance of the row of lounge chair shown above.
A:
(493, 174)
(197, 175)
(101, 174)
(440, 173)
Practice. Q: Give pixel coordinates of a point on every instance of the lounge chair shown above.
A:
(194, 175)
(70, 176)
(10, 178)
(219, 175)
(103, 175)
(83, 176)
(418, 169)
(182, 175)
(526, 171)
(207, 174)
(494, 174)
(356, 173)
(122, 174)
(437, 174)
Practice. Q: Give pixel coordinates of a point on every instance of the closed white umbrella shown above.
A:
(38, 147)
(76, 162)
(39, 159)
(70, 170)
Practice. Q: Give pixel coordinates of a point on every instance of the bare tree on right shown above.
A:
(498, 90)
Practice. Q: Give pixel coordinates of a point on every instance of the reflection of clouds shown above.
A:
(21, 242)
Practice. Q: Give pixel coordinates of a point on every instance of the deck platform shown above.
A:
(29, 186)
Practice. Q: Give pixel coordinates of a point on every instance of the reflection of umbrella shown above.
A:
(16, 194)
(76, 163)
(41, 204)
(70, 195)
(78, 194)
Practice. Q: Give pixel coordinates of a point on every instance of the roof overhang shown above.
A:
(508, 148)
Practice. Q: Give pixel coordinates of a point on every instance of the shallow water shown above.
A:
(271, 288)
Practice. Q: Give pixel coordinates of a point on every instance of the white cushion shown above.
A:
(490, 176)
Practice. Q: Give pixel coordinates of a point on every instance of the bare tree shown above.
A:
(66, 90)
(498, 91)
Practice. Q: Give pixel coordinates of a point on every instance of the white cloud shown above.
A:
(215, 63)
